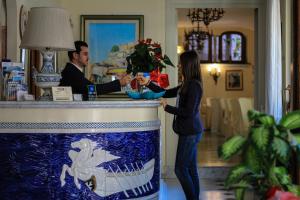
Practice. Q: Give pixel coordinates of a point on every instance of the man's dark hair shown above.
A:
(78, 44)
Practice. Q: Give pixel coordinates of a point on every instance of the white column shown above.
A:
(273, 60)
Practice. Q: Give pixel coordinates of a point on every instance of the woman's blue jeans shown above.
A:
(186, 165)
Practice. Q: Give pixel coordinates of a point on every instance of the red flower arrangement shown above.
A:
(147, 57)
(276, 193)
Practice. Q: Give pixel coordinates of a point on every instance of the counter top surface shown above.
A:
(107, 103)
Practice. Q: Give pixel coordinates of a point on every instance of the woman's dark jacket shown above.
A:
(186, 114)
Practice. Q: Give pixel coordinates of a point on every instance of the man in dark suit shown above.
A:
(72, 74)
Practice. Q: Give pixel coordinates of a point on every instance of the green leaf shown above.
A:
(146, 58)
(236, 174)
(242, 184)
(252, 159)
(291, 120)
(277, 176)
(141, 49)
(253, 114)
(295, 189)
(231, 147)
(240, 189)
(267, 120)
(282, 175)
(168, 61)
(276, 131)
(281, 148)
(150, 68)
(240, 193)
(260, 137)
(293, 140)
(297, 138)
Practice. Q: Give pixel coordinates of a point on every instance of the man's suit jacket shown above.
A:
(72, 76)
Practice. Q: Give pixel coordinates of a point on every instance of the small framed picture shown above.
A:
(62, 93)
(234, 80)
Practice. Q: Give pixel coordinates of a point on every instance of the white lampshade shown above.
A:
(49, 28)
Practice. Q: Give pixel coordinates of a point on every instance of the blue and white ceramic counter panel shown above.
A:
(79, 150)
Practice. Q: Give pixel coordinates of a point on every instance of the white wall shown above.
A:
(12, 37)
(153, 11)
(218, 90)
(2, 13)
(3, 28)
(13, 11)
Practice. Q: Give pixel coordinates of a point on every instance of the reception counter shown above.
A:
(79, 150)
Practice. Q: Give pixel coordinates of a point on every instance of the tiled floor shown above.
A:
(210, 190)
(208, 151)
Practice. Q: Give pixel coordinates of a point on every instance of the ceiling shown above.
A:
(233, 17)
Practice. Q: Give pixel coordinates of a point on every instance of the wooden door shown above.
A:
(295, 71)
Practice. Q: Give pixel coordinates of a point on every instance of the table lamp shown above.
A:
(48, 30)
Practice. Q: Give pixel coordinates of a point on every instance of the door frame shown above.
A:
(171, 42)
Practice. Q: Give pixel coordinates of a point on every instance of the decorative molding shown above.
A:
(81, 104)
(80, 127)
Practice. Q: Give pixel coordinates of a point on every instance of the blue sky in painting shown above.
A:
(102, 37)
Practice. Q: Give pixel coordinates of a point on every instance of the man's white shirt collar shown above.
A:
(77, 67)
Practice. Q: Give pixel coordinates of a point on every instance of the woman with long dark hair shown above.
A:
(186, 121)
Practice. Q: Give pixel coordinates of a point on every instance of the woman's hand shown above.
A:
(163, 102)
(142, 80)
(125, 80)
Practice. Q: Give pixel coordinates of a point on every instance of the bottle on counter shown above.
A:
(92, 92)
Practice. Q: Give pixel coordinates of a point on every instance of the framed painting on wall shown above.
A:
(234, 80)
(111, 38)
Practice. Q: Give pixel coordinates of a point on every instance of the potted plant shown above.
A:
(147, 57)
(265, 154)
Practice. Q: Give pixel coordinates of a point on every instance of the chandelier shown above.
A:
(205, 15)
(198, 33)
(194, 39)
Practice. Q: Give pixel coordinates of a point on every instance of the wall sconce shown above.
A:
(180, 49)
(215, 71)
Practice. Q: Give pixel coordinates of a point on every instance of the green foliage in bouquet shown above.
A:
(266, 152)
(147, 57)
